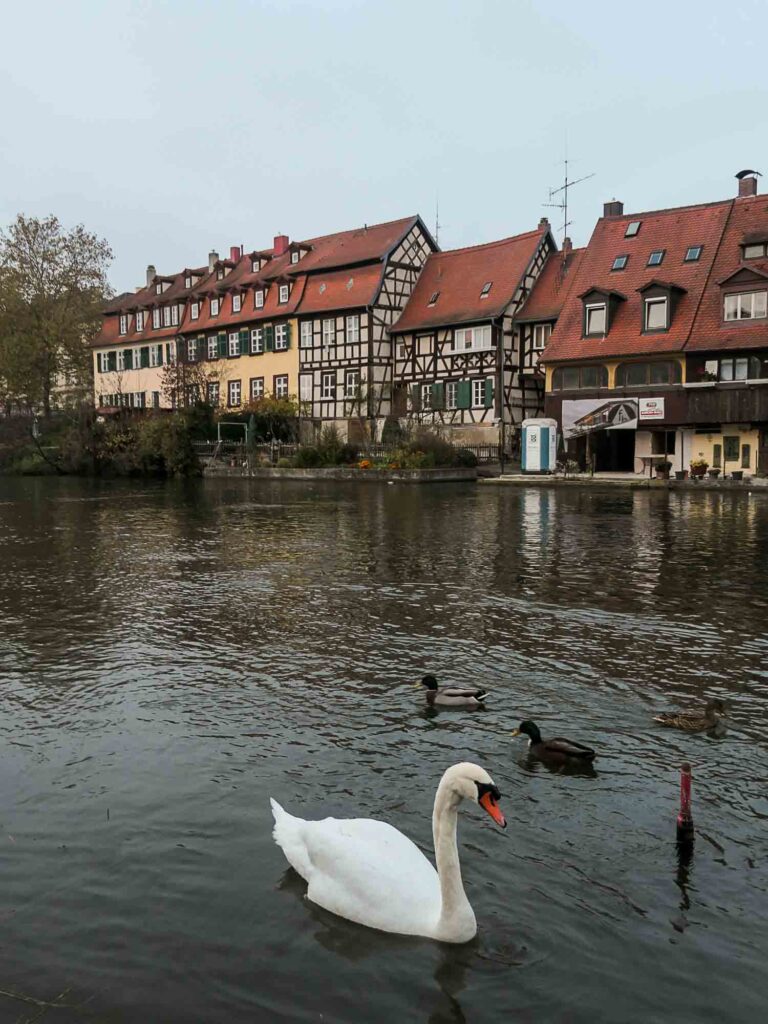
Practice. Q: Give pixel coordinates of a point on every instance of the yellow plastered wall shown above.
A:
(124, 382)
(703, 445)
(267, 365)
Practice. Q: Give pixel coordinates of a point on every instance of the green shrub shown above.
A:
(464, 457)
(307, 457)
(283, 463)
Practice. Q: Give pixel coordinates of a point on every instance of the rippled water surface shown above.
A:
(172, 656)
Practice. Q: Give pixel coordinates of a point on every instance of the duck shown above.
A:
(556, 750)
(369, 872)
(453, 696)
(711, 719)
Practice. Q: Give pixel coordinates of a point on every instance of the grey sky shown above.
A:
(172, 128)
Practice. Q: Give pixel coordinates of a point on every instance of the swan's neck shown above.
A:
(457, 918)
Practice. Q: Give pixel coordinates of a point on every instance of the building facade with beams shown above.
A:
(666, 325)
(460, 359)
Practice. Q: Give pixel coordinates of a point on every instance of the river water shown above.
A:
(172, 655)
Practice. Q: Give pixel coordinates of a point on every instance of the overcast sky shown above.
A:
(171, 128)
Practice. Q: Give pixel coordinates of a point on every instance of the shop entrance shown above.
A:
(610, 451)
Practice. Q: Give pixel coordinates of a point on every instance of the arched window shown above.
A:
(632, 375)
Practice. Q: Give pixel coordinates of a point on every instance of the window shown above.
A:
(746, 456)
(257, 341)
(158, 288)
(294, 257)
(329, 332)
(123, 324)
(284, 293)
(734, 369)
(352, 384)
(595, 318)
(541, 333)
(233, 393)
(213, 347)
(746, 306)
(212, 390)
(451, 392)
(137, 359)
(280, 389)
(175, 309)
(485, 289)
(632, 228)
(255, 266)
(402, 351)
(693, 253)
(717, 456)
(234, 345)
(155, 355)
(140, 320)
(328, 387)
(215, 304)
(188, 281)
(482, 393)
(433, 298)
(258, 298)
(426, 397)
(257, 388)
(237, 302)
(194, 311)
(656, 257)
(572, 378)
(305, 387)
(155, 399)
(166, 316)
(155, 318)
(192, 350)
(731, 449)
(281, 337)
(306, 334)
(640, 374)
(655, 314)
(620, 263)
(353, 330)
(220, 274)
(470, 339)
(752, 252)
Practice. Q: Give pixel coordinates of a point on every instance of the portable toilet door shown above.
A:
(539, 453)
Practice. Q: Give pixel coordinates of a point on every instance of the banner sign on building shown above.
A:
(587, 415)
(650, 408)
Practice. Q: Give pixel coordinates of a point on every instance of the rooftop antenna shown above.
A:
(437, 221)
(562, 191)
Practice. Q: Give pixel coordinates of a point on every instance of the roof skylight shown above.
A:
(632, 228)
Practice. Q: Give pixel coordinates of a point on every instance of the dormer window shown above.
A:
(620, 263)
(215, 304)
(237, 301)
(159, 288)
(655, 317)
(175, 315)
(284, 293)
(746, 306)
(156, 318)
(255, 266)
(194, 311)
(258, 299)
(486, 289)
(693, 253)
(656, 257)
(123, 324)
(166, 316)
(595, 318)
(632, 228)
(433, 298)
(755, 250)
(295, 256)
(220, 274)
(140, 320)
(188, 281)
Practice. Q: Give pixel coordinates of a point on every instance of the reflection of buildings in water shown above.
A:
(650, 543)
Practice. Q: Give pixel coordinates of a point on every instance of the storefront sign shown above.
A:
(587, 415)
(650, 408)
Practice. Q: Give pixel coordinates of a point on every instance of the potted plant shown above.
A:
(737, 474)
(681, 474)
(699, 467)
(662, 469)
(713, 474)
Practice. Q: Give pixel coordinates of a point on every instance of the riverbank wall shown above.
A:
(347, 474)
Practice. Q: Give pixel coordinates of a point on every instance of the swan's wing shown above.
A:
(369, 872)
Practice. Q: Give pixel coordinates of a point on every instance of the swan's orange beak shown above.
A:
(489, 804)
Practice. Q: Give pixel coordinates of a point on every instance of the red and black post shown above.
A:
(685, 833)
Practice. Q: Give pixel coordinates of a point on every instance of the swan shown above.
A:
(369, 872)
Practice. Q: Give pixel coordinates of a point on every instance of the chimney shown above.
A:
(151, 273)
(747, 183)
(213, 258)
(613, 209)
(235, 253)
(543, 223)
(281, 244)
(567, 247)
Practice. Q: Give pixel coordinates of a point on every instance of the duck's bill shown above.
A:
(491, 807)
(515, 732)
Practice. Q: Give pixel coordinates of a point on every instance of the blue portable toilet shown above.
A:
(539, 446)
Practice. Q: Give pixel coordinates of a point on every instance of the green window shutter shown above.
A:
(144, 357)
(416, 397)
(222, 343)
(128, 359)
(464, 395)
(243, 342)
(438, 395)
(269, 339)
(112, 361)
(287, 335)
(488, 393)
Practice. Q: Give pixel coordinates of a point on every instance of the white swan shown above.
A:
(369, 872)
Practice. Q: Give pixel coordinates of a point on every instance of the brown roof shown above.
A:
(552, 287)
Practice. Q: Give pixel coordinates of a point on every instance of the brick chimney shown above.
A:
(613, 209)
(213, 258)
(567, 247)
(151, 272)
(747, 183)
(543, 223)
(281, 244)
(235, 253)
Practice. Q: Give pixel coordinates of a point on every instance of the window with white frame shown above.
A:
(281, 337)
(401, 351)
(353, 329)
(257, 388)
(451, 394)
(123, 324)
(158, 288)
(541, 333)
(255, 266)
(426, 397)
(656, 314)
(166, 316)
(746, 306)
(478, 393)
(352, 384)
(233, 393)
(175, 314)
(155, 355)
(155, 318)
(194, 311)
(284, 293)
(192, 350)
(188, 281)
(281, 385)
(215, 304)
(258, 298)
(234, 344)
(295, 256)
(137, 359)
(257, 341)
(329, 332)
(470, 339)
(305, 387)
(212, 392)
(140, 320)
(328, 386)
(121, 361)
(213, 347)
(595, 318)
(237, 302)
(306, 334)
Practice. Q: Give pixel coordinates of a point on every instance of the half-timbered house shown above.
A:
(457, 358)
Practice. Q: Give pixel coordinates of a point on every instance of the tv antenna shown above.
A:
(437, 221)
(562, 191)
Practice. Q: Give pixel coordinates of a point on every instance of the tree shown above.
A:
(53, 284)
(185, 384)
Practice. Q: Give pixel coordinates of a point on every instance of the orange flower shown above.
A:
(364, 464)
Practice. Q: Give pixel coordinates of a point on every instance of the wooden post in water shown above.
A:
(685, 832)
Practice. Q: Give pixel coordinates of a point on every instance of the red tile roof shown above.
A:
(748, 219)
(346, 248)
(341, 289)
(672, 230)
(458, 277)
(552, 287)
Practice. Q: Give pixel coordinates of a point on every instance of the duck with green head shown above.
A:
(556, 750)
(453, 696)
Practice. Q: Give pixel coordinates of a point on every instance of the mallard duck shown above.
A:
(556, 750)
(711, 719)
(453, 696)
